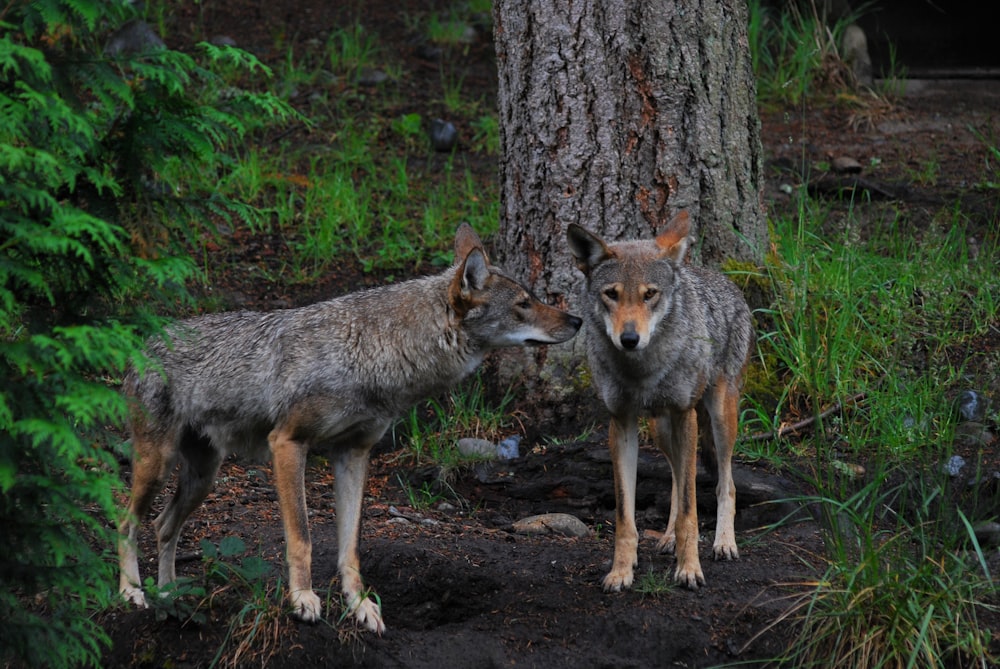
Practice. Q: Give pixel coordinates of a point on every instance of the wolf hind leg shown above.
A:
(153, 459)
(677, 438)
(668, 541)
(200, 460)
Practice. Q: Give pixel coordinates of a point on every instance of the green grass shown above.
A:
(881, 325)
(432, 430)
(655, 583)
(904, 583)
(880, 320)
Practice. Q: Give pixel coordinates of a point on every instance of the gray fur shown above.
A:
(671, 342)
(332, 376)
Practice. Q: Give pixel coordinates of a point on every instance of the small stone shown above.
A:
(469, 35)
(508, 448)
(429, 52)
(845, 165)
(222, 40)
(443, 135)
(552, 523)
(971, 406)
(973, 434)
(135, 37)
(477, 448)
(954, 465)
(987, 534)
(371, 77)
(850, 469)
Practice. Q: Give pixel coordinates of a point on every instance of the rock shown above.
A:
(469, 35)
(371, 77)
(222, 40)
(973, 434)
(971, 406)
(552, 523)
(954, 465)
(477, 448)
(845, 165)
(987, 534)
(443, 135)
(508, 448)
(849, 469)
(429, 52)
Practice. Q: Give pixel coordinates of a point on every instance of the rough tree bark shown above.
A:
(616, 115)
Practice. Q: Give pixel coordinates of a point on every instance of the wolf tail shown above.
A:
(706, 443)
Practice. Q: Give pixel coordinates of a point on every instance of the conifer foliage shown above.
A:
(90, 239)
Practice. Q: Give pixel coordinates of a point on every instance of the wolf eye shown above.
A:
(611, 294)
(650, 294)
(524, 304)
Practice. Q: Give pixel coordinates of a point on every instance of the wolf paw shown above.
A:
(306, 605)
(369, 615)
(667, 543)
(134, 595)
(689, 578)
(726, 552)
(618, 580)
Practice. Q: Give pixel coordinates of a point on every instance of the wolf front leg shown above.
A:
(289, 472)
(623, 440)
(677, 437)
(351, 471)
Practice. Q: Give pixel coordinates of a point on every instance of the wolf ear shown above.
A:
(673, 242)
(475, 271)
(588, 249)
(466, 240)
(471, 277)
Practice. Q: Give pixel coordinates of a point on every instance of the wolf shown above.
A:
(331, 376)
(671, 342)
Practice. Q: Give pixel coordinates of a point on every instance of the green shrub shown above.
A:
(83, 265)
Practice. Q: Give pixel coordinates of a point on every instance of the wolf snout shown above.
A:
(629, 340)
(568, 327)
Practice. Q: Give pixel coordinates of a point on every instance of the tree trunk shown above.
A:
(616, 116)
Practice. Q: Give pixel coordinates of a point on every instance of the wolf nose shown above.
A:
(629, 340)
(575, 322)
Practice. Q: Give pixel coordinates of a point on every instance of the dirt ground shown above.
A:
(458, 587)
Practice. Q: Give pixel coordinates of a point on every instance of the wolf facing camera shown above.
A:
(670, 342)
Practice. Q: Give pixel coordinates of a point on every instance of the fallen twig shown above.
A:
(804, 423)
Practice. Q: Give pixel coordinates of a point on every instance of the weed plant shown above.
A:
(904, 585)
(93, 217)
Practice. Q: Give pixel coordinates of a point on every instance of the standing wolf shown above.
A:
(333, 376)
(669, 341)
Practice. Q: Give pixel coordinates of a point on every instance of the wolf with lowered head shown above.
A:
(332, 376)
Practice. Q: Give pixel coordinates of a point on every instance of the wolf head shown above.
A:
(630, 285)
(497, 311)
